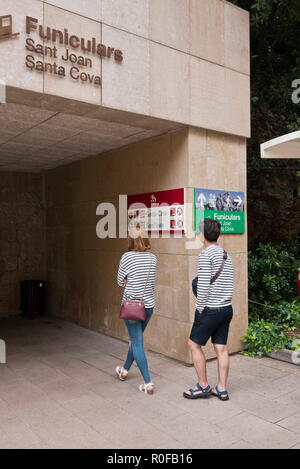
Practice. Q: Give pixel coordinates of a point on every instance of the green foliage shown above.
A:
(272, 283)
(288, 314)
(275, 64)
(263, 336)
(272, 274)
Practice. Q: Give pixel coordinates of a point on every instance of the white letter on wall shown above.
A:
(2, 351)
(109, 220)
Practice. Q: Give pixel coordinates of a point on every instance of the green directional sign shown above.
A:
(227, 207)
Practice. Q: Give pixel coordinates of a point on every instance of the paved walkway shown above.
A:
(58, 390)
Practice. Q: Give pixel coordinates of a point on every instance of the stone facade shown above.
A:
(82, 269)
(22, 236)
(183, 60)
(174, 113)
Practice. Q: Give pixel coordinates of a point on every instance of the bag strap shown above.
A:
(217, 275)
(147, 277)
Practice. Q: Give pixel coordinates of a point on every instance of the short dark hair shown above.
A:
(211, 229)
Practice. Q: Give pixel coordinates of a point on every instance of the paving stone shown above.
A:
(279, 387)
(291, 423)
(242, 445)
(262, 434)
(41, 412)
(273, 410)
(59, 390)
(63, 389)
(16, 435)
(280, 366)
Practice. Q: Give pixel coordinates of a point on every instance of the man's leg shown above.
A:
(199, 361)
(223, 365)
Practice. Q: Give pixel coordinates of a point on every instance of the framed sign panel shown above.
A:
(227, 207)
(158, 211)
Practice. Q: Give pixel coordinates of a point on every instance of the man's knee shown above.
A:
(193, 346)
(220, 349)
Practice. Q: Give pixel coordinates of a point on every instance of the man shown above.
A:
(213, 311)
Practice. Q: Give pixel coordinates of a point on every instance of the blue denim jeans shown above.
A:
(136, 348)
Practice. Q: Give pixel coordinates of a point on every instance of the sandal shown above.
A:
(144, 388)
(205, 392)
(122, 373)
(222, 395)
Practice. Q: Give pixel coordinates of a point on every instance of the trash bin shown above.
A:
(32, 298)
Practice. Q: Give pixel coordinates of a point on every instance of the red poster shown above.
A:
(158, 211)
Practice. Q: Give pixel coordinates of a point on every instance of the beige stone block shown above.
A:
(207, 30)
(237, 330)
(235, 243)
(220, 98)
(67, 86)
(170, 23)
(150, 160)
(172, 287)
(224, 153)
(129, 15)
(197, 154)
(169, 83)
(13, 68)
(237, 103)
(237, 38)
(169, 337)
(126, 84)
(169, 245)
(168, 151)
(207, 100)
(90, 9)
(240, 294)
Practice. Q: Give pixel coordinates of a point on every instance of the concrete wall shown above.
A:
(22, 236)
(184, 60)
(82, 269)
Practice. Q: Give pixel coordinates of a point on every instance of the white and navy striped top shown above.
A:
(220, 292)
(135, 266)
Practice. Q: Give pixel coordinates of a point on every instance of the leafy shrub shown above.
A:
(263, 336)
(272, 288)
(289, 314)
(272, 277)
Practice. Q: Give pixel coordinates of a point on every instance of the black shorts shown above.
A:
(214, 323)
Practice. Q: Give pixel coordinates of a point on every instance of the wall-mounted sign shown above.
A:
(227, 207)
(6, 28)
(73, 61)
(158, 211)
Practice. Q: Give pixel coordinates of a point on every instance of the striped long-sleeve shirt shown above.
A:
(220, 292)
(135, 267)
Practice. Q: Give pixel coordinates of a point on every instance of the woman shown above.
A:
(136, 274)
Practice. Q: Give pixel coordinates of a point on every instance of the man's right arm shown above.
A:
(204, 277)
